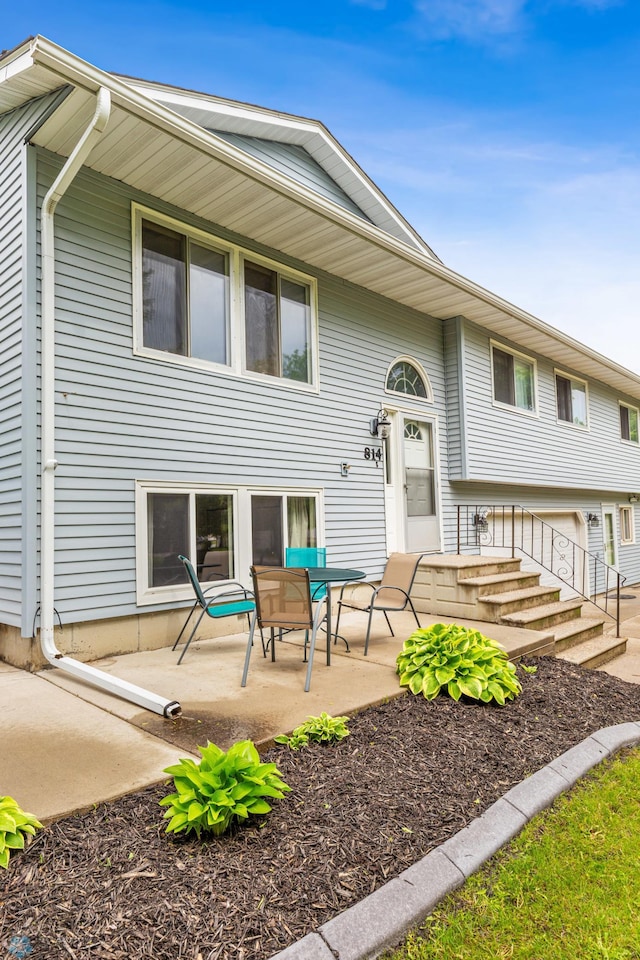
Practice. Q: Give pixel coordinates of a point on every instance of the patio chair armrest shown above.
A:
(352, 585)
(388, 586)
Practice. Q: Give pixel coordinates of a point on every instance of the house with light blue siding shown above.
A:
(206, 308)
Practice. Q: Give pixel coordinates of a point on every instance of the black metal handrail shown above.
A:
(513, 527)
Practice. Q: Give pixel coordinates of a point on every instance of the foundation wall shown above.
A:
(105, 638)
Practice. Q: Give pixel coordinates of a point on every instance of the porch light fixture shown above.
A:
(380, 425)
(593, 519)
(480, 522)
(634, 498)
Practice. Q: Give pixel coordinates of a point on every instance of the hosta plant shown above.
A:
(222, 787)
(322, 729)
(16, 828)
(459, 660)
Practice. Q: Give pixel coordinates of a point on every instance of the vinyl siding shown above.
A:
(121, 417)
(508, 446)
(453, 361)
(17, 570)
(296, 163)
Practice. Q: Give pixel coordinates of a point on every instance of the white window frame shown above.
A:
(410, 397)
(627, 511)
(289, 274)
(236, 320)
(242, 547)
(628, 406)
(497, 345)
(572, 379)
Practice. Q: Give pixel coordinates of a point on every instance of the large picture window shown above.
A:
(200, 298)
(513, 379)
(222, 532)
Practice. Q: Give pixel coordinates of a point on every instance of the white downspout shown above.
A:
(83, 671)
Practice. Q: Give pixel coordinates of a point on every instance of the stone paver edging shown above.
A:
(382, 919)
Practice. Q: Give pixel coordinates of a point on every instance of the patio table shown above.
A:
(329, 575)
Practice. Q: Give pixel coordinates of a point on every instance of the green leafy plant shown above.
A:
(16, 828)
(458, 660)
(222, 786)
(322, 729)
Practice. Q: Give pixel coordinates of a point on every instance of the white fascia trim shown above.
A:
(311, 134)
(71, 69)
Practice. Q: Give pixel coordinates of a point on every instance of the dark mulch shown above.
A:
(109, 884)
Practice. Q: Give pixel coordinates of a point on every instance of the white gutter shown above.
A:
(82, 671)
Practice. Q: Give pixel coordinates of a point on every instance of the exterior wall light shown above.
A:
(480, 522)
(593, 519)
(380, 425)
(634, 498)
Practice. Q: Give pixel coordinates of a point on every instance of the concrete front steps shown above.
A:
(496, 590)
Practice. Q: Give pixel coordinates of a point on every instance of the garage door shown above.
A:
(554, 542)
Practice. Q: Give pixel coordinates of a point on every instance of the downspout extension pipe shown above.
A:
(82, 671)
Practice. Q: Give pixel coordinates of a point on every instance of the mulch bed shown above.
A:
(110, 884)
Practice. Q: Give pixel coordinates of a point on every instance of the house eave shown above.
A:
(164, 155)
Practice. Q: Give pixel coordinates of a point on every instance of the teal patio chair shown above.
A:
(224, 600)
(309, 557)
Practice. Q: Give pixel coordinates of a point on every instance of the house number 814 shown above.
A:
(373, 453)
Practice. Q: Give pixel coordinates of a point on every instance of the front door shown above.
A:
(418, 476)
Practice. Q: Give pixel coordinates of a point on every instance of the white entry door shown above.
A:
(419, 480)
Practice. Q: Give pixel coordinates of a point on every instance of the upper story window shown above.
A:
(405, 376)
(514, 379)
(629, 423)
(198, 302)
(571, 398)
(185, 295)
(277, 323)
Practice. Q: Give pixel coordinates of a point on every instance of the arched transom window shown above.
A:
(406, 377)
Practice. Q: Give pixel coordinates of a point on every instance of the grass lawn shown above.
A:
(567, 887)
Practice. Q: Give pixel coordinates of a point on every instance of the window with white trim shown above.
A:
(627, 525)
(629, 423)
(514, 379)
(199, 525)
(279, 521)
(277, 313)
(222, 531)
(406, 377)
(571, 400)
(198, 299)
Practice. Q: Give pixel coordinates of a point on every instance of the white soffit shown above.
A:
(214, 113)
(167, 156)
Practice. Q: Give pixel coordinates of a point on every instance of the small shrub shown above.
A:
(459, 660)
(322, 729)
(16, 828)
(222, 786)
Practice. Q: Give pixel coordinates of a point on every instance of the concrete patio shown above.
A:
(68, 745)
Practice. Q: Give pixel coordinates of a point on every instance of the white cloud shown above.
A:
(471, 19)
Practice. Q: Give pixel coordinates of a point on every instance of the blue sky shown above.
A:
(507, 132)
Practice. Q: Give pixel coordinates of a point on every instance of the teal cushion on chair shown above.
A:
(228, 609)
